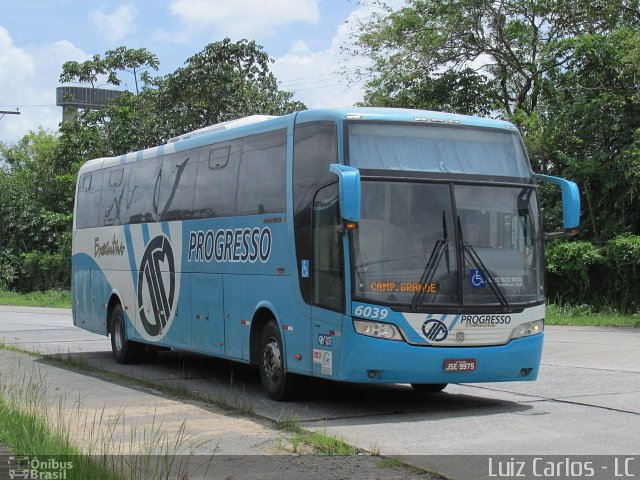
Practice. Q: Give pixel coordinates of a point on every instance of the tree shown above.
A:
(503, 48)
(591, 126)
(137, 62)
(36, 201)
(565, 72)
(85, 72)
(225, 81)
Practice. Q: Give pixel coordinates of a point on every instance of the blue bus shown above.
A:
(363, 245)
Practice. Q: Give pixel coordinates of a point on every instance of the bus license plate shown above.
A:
(460, 365)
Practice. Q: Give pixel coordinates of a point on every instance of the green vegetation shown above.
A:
(564, 72)
(24, 412)
(27, 433)
(567, 80)
(318, 442)
(49, 298)
(586, 316)
(390, 462)
(36, 424)
(604, 277)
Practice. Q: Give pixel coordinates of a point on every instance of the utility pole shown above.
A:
(8, 112)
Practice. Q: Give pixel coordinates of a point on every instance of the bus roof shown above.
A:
(257, 123)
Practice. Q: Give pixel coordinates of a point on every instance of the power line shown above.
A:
(30, 106)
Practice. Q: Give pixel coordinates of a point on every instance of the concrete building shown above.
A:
(72, 99)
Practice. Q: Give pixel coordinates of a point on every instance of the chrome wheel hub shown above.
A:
(272, 361)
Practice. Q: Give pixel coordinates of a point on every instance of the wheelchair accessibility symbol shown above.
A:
(477, 279)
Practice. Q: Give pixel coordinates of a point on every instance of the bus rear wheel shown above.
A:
(124, 351)
(278, 384)
(428, 387)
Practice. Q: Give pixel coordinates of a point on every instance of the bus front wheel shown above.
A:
(124, 351)
(428, 387)
(273, 373)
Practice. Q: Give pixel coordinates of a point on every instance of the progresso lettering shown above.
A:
(230, 245)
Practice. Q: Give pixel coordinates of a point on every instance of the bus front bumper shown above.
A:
(373, 360)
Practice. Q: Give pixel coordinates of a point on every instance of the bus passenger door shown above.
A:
(328, 283)
(207, 320)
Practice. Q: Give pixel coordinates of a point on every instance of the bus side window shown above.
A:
(142, 194)
(262, 176)
(176, 188)
(88, 207)
(215, 182)
(219, 157)
(112, 204)
(328, 274)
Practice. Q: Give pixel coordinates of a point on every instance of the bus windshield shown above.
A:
(438, 149)
(422, 244)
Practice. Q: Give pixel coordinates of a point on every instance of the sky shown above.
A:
(38, 36)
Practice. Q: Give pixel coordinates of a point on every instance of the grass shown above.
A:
(50, 298)
(392, 462)
(298, 440)
(25, 430)
(585, 316)
(37, 425)
(26, 433)
(319, 443)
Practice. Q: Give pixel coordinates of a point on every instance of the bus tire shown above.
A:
(428, 387)
(278, 384)
(124, 351)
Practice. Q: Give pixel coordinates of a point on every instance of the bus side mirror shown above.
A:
(570, 202)
(348, 191)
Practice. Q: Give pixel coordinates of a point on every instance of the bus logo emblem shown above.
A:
(435, 330)
(156, 268)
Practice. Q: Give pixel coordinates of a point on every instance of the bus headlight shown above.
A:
(377, 329)
(528, 329)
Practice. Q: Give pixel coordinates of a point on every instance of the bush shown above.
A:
(9, 269)
(603, 277)
(43, 271)
(569, 267)
(622, 275)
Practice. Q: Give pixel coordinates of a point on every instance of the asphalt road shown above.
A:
(585, 402)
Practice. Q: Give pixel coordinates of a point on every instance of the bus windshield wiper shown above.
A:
(473, 257)
(440, 249)
(477, 262)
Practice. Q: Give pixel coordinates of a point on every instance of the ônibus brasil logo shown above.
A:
(435, 330)
(156, 267)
